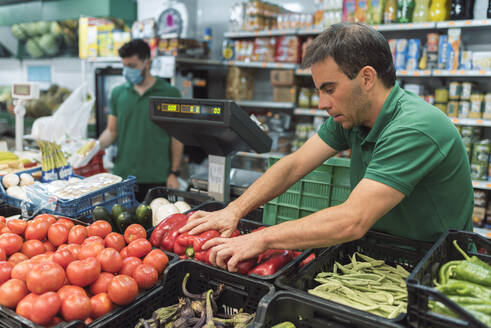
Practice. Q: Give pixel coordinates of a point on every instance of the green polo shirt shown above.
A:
(414, 148)
(143, 147)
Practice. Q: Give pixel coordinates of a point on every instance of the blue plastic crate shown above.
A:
(81, 208)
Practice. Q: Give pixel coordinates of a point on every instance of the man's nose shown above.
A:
(324, 102)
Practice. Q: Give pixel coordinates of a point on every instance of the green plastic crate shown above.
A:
(326, 186)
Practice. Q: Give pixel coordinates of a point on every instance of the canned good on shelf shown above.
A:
(464, 109)
(476, 105)
(454, 90)
(466, 90)
(441, 95)
(452, 108)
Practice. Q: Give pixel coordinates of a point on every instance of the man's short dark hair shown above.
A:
(353, 46)
(135, 47)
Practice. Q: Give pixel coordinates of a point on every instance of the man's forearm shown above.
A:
(107, 138)
(177, 149)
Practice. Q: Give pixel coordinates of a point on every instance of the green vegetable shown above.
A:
(33, 48)
(42, 27)
(286, 324)
(124, 220)
(143, 215)
(19, 32)
(49, 43)
(117, 209)
(100, 213)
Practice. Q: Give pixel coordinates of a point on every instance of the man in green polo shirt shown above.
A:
(144, 149)
(409, 170)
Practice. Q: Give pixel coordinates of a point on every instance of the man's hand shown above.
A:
(226, 253)
(224, 221)
(172, 182)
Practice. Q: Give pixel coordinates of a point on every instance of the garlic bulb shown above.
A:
(10, 180)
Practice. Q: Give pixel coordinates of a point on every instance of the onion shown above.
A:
(26, 179)
(10, 180)
(182, 206)
(163, 212)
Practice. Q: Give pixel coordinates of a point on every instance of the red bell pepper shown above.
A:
(245, 266)
(203, 256)
(235, 233)
(307, 260)
(164, 227)
(170, 237)
(268, 254)
(190, 244)
(273, 264)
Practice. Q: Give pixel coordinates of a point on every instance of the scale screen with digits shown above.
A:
(220, 127)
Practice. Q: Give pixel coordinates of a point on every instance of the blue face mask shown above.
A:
(133, 75)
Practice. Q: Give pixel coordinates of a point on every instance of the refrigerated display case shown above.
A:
(105, 80)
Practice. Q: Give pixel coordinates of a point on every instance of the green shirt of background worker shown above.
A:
(409, 169)
(144, 149)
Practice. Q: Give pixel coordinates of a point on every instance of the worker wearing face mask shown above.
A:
(145, 150)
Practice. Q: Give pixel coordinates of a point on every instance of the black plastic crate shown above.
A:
(173, 195)
(392, 249)
(240, 292)
(247, 226)
(7, 210)
(421, 279)
(305, 312)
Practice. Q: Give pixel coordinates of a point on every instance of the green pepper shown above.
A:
(468, 300)
(484, 318)
(483, 308)
(286, 324)
(470, 271)
(464, 288)
(446, 269)
(473, 259)
(439, 308)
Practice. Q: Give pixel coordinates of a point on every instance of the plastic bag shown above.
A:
(71, 118)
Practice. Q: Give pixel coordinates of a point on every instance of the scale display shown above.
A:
(190, 109)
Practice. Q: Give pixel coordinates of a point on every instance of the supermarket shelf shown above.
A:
(261, 64)
(310, 112)
(266, 104)
(470, 121)
(256, 155)
(414, 73)
(104, 60)
(198, 61)
(481, 184)
(310, 31)
(405, 27)
(252, 34)
(169, 36)
(465, 23)
(461, 72)
(483, 232)
(303, 72)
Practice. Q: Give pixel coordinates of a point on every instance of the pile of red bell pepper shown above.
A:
(166, 236)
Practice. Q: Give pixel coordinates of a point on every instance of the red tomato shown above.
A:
(49, 246)
(67, 222)
(94, 239)
(100, 285)
(100, 228)
(63, 257)
(10, 242)
(84, 272)
(17, 258)
(5, 230)
(75, 307)
(129, 265)
(91, 249)
(5, 271)
(45, 307)
(157, 259)
(134, 232)
(20, 270)
(45, 277)
(100, 305)
(68, 290)
(124, 252)
(3, 222)
(58, 234)
(122, 289)
(75, 249)
(145, 276)
(77, 234)
(42, 258)
(139, 248)
(48, 218)
(17, 226)
(12, 292)
(3, 256)
(33, 247)
(36, 229)
(115, 240)
(111, 260)
(24, 307)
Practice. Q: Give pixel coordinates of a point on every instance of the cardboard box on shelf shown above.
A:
(280, 77)
(284, 94)
(240, 84)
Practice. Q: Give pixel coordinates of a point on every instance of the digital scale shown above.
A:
(21, 92)
(220, 127)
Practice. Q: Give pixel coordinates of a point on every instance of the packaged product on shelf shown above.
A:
(264, 49)
(318, 121)
(464, 108)
(144, 29)
(228, 49)
(240, 84)
(361, 7)
(430, 99)
(282, 77)
(481, 60)
(392, 46)
(452, 108)
(441, 95)
(487, 106)
(480, 160)
(284, 94)
(314, 99)
(236, 17)
(305, 44)
(441, 106)
(467, 88)
(417, 89)
(287, 49)
(349, 8)
(438, 10)
(453, 48)
(476, 105)
(119, 39)
(468, 148)
(480, 203)
(401, 54)
(461, 9)
(471, 133)
(466, 60)
(454, 90)
(405, 10)
(443, 52)
(421, 11)
(432, 42)
(375, 12)
(390, 11)
(243, 50)
(304, 97)
(414, 48)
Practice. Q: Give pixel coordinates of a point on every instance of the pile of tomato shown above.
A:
(52, 269)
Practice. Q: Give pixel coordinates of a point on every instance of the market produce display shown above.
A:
(162, 208)
(11, 163)
(468, 283)
(53, 269)
(366, 284)
(166, 236)
(196, 310)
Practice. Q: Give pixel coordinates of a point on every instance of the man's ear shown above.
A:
(367, 76)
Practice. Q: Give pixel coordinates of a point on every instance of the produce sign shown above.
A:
(52, 269)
